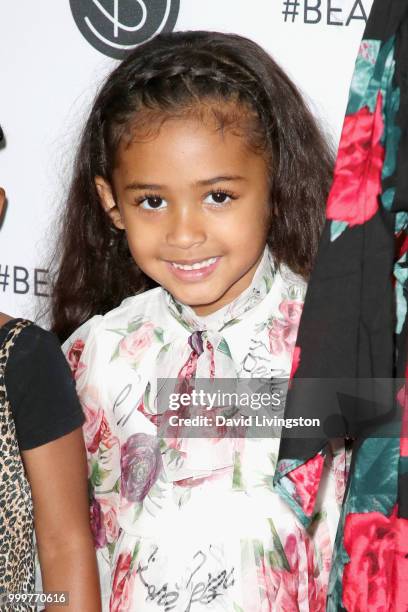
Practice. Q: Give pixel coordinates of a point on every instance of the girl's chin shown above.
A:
(203, 302)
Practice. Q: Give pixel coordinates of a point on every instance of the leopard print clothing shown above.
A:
(17, 572)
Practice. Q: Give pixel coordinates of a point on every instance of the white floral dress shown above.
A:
(195, 524)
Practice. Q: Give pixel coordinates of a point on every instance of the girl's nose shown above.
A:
(186, 228)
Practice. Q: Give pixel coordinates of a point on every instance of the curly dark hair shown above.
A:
(165, 75)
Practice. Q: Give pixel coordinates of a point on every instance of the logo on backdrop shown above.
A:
(114, 27)
(327, 12)
(22, 280)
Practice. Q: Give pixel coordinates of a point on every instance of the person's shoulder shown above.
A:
(32, 337)
(33, 345)
(93, 332)
(144, 305)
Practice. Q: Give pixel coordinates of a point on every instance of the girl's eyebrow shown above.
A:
(204, 182)
(136, 185)
(218, 179)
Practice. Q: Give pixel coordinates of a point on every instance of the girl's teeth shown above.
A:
(196, 266)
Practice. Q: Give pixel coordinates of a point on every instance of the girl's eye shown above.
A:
(152, 202)
(218, 198)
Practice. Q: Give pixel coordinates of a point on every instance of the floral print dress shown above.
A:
(194, 524)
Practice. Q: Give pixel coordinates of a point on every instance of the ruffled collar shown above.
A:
(232, 312)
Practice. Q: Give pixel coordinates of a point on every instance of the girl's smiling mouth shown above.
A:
(193, 269)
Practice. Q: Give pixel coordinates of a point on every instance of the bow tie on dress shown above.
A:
(206, 355)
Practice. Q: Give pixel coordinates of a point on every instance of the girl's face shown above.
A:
(193, 201)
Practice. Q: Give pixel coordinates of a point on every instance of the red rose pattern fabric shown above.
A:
(357, 178)
(354, 327)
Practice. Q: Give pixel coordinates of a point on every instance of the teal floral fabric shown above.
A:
(354, 327)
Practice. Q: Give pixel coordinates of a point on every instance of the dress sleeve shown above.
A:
(40, 389)
(85, 354)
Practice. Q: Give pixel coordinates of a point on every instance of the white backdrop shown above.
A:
(50, 68)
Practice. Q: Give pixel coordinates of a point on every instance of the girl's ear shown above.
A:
(108, 202)
(2, 200)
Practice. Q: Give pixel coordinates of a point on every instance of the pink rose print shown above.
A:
(322, 542)
(109, 520)
(141, 464)
(306, 479)
(283, 332)
(96, 428)
(281, 588)
(176, 435)
(376, 576)
(93, 415)
(340, 475)
(126, 601)
(97, 525)
(123, 585)
(367, 52)
(74, 358)
(295, 361)
(268, 586)
(153, 418)
(357, 176)
(105, 435)
(196, 482)
(318, 576)
(133, 345)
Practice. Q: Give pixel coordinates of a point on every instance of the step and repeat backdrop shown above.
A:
(54, 54)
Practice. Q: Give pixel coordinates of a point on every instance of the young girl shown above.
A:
(198, 195)
(42, 474)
